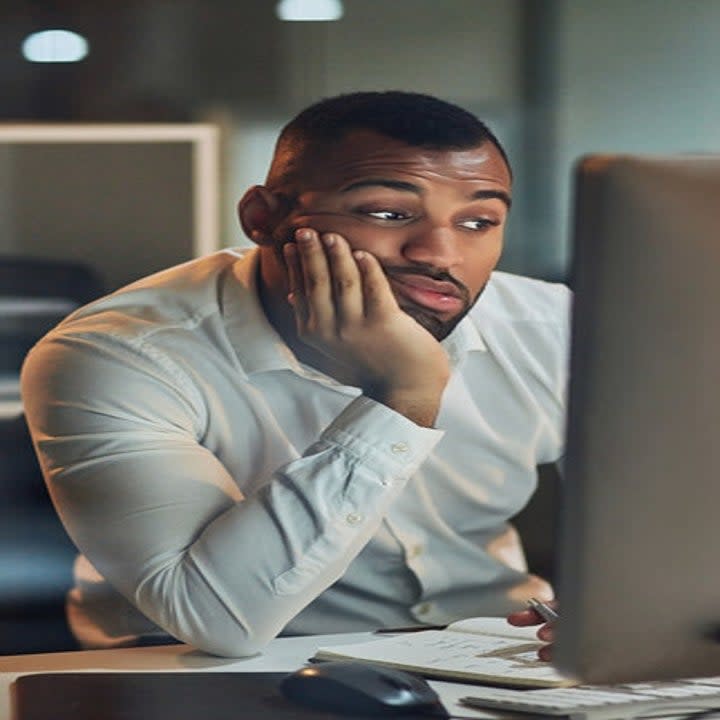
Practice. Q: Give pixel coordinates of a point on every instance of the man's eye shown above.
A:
(478, 224)
(387, 214)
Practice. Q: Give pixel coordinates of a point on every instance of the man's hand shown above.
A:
(345, 309)
(546, 633)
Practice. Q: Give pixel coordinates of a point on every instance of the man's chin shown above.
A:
(436, 326)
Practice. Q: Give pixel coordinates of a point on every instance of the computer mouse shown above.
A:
(359, 688)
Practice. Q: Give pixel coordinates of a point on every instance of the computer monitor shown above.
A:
(639, 557)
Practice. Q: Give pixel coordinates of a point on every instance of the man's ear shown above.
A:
(260, 210)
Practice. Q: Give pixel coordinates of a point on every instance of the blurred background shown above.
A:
(555, 79)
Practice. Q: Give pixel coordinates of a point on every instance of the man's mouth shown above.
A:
(435, 295)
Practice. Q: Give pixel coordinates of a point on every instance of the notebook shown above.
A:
(482, 650)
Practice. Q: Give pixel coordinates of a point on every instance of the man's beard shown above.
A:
(435, 325)
(438, 328)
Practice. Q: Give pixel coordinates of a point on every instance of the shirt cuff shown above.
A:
(382, 437)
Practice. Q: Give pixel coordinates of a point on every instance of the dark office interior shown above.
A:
(554, 78)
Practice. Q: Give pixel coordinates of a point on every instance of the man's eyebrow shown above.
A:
(410, 187)
(383, 182)
(493, 195)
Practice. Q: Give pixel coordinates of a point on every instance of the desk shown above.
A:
(282, 655)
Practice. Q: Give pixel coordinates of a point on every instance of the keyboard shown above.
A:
(605, 702)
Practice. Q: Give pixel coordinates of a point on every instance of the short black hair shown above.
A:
(413, 118)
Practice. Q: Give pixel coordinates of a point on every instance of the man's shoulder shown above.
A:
(180, 296)
(510, 298)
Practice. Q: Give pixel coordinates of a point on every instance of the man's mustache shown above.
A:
(431, 272)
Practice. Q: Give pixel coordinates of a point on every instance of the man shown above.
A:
(325, 434)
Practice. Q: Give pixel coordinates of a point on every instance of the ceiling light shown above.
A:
(54, 46)
(305, 10)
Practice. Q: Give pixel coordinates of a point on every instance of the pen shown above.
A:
(543, 609)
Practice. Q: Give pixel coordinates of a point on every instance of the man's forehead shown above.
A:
(363, 153)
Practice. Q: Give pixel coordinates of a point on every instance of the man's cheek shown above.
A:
(347, 226)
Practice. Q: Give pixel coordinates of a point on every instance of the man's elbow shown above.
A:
(219, 632)
(235, 645)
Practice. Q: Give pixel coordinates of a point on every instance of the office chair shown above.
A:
(36, 555)
(35, 294)
(47, 278)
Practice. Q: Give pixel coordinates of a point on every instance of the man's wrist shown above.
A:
(419, 406)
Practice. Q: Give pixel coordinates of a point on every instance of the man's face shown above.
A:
(434, 219)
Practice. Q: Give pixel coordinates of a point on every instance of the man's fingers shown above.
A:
(296, 295)
(316, 282)
(523, 618)
(378, 296)
(546, 633)
(346, 280)
(325, 283)
(545, 653)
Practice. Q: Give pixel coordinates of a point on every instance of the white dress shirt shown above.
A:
(224, 493)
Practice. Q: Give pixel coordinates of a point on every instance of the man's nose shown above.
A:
(434, 245)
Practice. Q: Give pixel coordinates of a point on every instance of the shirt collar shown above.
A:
(464, 339)
(258, 346)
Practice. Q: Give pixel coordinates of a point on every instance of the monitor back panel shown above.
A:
(639, 578)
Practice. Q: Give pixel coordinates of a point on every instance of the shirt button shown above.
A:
(399, 447)
(424, 608)
(354, 518)
(415, 551)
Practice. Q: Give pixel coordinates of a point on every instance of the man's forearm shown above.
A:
(268, 557)
(213, 554)
(420, 407)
